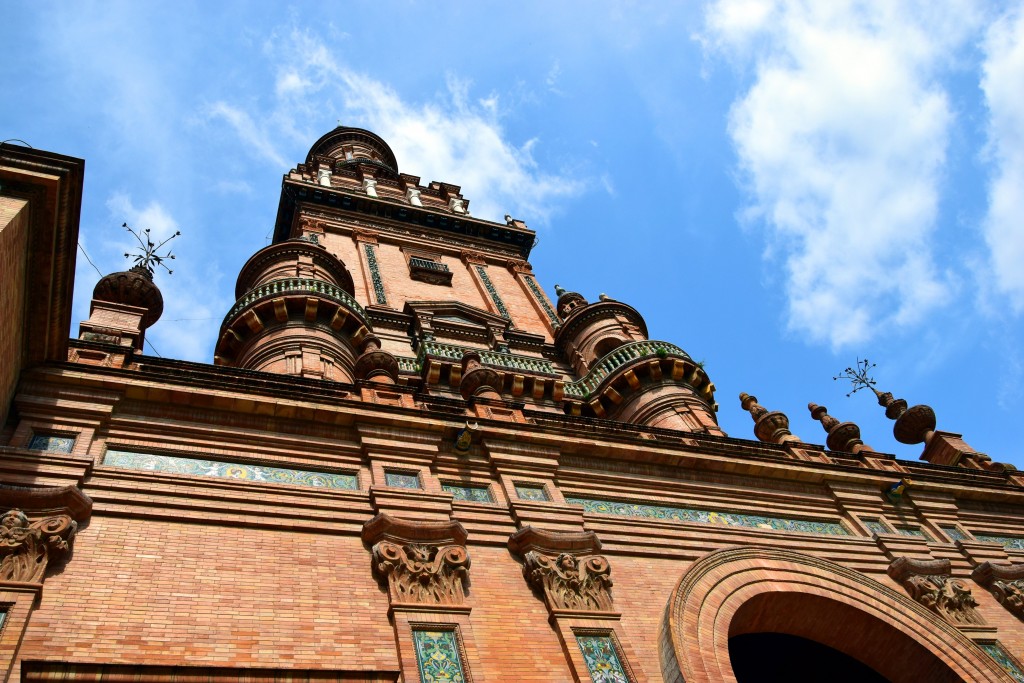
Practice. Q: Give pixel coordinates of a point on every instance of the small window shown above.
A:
(402, 480)
(427, 267)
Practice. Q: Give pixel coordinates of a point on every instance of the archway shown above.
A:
(741, 592)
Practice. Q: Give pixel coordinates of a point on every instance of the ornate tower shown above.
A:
(374, 276)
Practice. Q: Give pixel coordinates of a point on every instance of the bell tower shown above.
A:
(376, 277)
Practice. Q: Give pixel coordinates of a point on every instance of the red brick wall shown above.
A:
(13, 234)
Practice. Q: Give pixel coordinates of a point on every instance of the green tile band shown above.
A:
(709, 517)
(151, 462)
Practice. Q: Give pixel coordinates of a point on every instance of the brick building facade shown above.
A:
(407, 463)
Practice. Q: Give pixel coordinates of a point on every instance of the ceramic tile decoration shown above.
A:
(1015, 542)
(437, 654)
(527, 492)
(541, 299)
(602, 659)
(229, 470)
(877, 526)
(492, 292)
(473, 494)
(709, 517)
(402, 480)
(955, 533)
(378, 282)
(52, 444)
(995, 650)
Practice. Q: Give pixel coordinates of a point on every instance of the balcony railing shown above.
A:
(276, 288)
(506, 361)
(625, 354)
(427, 264)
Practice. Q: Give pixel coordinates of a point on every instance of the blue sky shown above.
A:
(779, 188)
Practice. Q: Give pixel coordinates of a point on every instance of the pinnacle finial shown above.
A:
(842, 436)
(770, 427)
(149, 258)
(858, 376)
(559, 290)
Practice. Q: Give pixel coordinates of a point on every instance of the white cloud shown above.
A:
(841, 140)
(192, 309)
(1003, 85)
(451, 139)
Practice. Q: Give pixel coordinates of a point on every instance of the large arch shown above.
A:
(750, 589)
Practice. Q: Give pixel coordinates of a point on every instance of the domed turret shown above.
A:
(124, 305)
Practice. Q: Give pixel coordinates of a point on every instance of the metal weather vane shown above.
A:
(149, 258)
(858, 376)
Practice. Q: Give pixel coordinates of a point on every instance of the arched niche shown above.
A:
(765, 590)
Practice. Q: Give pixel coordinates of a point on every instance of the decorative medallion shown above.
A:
(929, 582)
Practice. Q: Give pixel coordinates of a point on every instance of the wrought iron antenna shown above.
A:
(149, 258)
(858, 376)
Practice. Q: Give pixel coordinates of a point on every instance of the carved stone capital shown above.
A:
(1005, 582)
(364, 236)
(565, 569)
(516, 265)
(424, 563)
(929, 582)
(37, 530)
(469, 256)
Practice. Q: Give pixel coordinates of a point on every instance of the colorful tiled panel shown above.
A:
(526, 492)
(402, 480)
(52, 444)
(995, 650)
(608, 507)
(492, 292)
(602, 660)
(955, 533)
(378, 283)
(229, 470)
(1015, 542)
(877, 526)
(437, 653)
(473, 494)
(914, 531)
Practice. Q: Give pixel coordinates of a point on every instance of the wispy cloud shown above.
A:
(452, 138)
(841, 141)
(1003, 85)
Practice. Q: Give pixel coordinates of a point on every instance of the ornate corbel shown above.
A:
(929, 583)
(469, 256)
(37, 530)
(565, 569)
(424, 563)
(1005, 582)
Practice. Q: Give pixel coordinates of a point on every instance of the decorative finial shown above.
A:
(770, 427)
(559, 290)
(149, 257)
(913, 425)
(842, 436)
(858, 376)
(604, 297)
